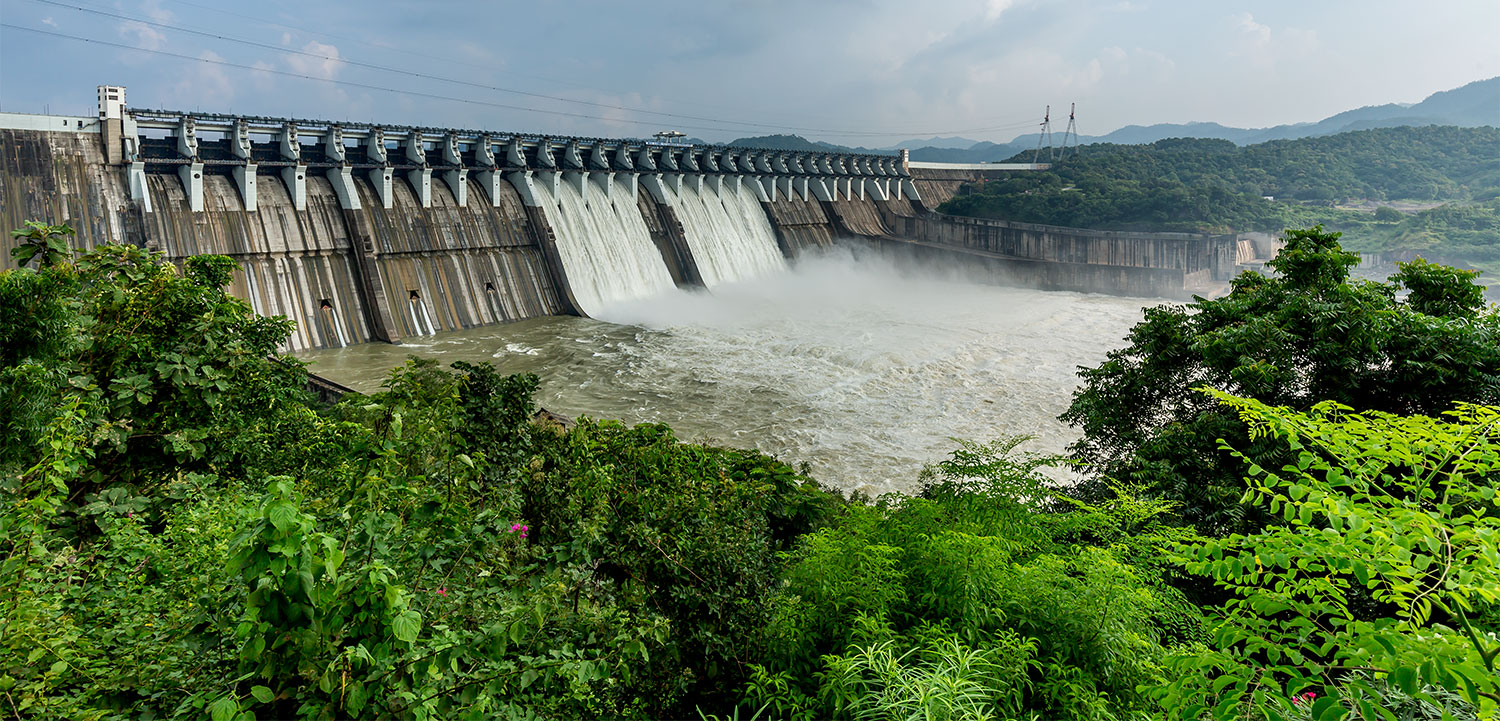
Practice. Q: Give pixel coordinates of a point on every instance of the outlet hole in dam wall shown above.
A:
(325, 304)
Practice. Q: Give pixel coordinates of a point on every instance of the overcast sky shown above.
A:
(868, 72)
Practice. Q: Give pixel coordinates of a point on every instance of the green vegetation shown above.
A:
(184, 533)
(1205, 185)
(1309, 334)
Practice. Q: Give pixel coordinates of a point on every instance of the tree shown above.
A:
(1400, 510)
(1307, 335)
(39, 240)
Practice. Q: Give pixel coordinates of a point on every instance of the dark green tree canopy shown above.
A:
(1306, 335)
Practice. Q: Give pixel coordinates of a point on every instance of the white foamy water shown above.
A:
(728, 233)
(860, 368)
(604, 244)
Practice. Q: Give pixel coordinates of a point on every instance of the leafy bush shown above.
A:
(1399, 508)
(988, 595)
(1307, 335)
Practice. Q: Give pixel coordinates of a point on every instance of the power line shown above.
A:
(544, 96)
(349, 83)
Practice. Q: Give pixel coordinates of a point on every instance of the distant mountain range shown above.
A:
(1475, 104)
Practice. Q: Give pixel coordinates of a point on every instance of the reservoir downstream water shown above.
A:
(861, 368)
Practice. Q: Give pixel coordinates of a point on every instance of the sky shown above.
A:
(855, 72)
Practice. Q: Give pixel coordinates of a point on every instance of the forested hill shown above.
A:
(1406, 163)
(1216, 186)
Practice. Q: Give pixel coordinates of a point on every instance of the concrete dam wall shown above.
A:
(362, 233)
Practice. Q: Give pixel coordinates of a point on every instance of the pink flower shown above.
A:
(443, 592)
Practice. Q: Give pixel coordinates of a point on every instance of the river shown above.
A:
(860, 368)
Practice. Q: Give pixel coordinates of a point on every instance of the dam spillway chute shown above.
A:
(604, 244)
(728, 232)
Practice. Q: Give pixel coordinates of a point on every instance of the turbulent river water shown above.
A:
(862, 369)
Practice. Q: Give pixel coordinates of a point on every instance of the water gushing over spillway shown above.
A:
(605, 246)
(729, 234)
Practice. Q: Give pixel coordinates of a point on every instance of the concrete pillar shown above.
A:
(644, 161)
(571, 158)
(656, 186)
(382, 179)
(551, 180)
(458, 183)
(799, 184)
(580, 182)
(876, 189)
(765, 188)
(490, 180)
(763, 163)
(420, 178)
(910, 189)
(690, 160)
(295, 176)
(596, 157)
(604, 181)
(244, 175)
(622, 157)
(342, 180)
(820, 189)
(192, 182)
(515, 157)
(521, 180)
(138, 190)
(783, 186)
(544, 159)
(457, 178)
(669, 159)
(191, 173)
(778, 164)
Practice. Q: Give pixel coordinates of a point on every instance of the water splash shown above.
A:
(728, 233)
(605, 246)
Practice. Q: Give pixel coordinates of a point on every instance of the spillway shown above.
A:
(729, 234)
(604, 245)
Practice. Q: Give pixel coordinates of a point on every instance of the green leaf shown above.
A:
(282, 515)
(529, 677)
(224, 709)
(406, 626)
(262, 694)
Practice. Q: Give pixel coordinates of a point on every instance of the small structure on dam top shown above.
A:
(362, 231)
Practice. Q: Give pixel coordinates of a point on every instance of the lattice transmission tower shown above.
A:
(1044, 136)
(1071, 132)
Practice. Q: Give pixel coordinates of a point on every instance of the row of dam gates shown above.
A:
(366, 233)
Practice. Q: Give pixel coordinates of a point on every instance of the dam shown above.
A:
(383, 233)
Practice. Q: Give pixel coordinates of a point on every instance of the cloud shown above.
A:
(207, 84)
(321, 61)
(1263, 47)
(143, 36)
(49, 22)
(994, 8)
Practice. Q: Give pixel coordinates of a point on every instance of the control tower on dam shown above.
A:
(368, 232)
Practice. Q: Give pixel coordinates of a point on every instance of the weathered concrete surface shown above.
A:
(800, 225)
(1185, 252)
(344, 276)
(60, 177)
(984, 266)
(668, 235)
